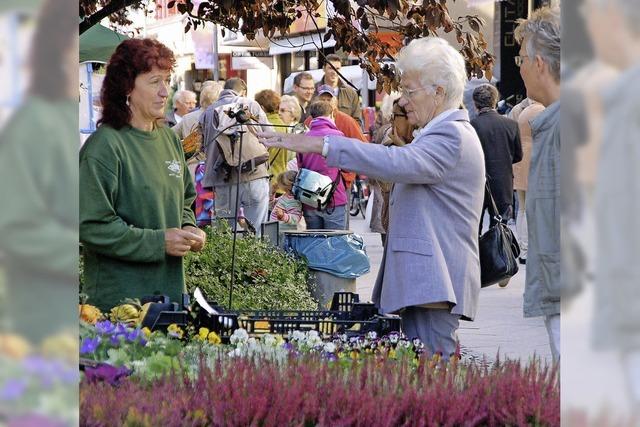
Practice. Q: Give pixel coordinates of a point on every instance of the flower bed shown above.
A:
(189, 378)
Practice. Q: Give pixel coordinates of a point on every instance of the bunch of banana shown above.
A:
(130, 312)
(127, 312)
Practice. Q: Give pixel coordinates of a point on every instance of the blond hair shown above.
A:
(286, 179)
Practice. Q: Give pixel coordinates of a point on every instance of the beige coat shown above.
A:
(521, 169)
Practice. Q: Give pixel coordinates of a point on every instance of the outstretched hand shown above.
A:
(293, 142)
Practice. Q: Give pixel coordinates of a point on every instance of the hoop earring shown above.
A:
(127, 102)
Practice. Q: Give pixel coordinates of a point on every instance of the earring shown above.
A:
(127, 102)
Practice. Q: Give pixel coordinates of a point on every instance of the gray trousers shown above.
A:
(254, 198)
(436, 328)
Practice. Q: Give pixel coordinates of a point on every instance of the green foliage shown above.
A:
(265, 277)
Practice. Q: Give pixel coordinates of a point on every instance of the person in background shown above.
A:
(431, 266)
(500, 139)
(290, 113)
(379, 131)
(287, 210)
(539, 62)
(523, 113)
(399, 135)
(348, 126)
(348, 99)
(208, 95)
(254, 183)
(289, 110)
(270, 101)
(136, 222)
(184, 101)
(303, 89)
(333, 217)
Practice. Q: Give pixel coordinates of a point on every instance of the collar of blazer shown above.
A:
(451, 115)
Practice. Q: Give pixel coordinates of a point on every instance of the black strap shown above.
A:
(334, 187)
(493, 209)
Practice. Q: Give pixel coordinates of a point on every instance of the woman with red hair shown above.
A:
(136, 222)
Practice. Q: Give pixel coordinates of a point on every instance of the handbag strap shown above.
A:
(493, 209)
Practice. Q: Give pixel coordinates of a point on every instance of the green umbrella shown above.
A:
(98, 43)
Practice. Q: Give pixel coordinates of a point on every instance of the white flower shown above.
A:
(330, 347)
(269, 340)
(239, 336)
(372, 335)
(314, 342)
(297, 336)
(313, 334)
(253, 343)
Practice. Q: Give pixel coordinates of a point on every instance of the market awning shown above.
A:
(98, 43)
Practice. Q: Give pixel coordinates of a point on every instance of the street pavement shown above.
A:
(499, 327)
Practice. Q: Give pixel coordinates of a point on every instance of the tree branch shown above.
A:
(111, 8)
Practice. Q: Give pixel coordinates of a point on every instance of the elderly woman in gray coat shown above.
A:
(430, 271)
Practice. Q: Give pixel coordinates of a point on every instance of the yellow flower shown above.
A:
(354, 354)
(146, 331)
(175, 331)
(203, 333)
(214, 338)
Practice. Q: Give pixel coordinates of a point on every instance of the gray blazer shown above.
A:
(432, 243)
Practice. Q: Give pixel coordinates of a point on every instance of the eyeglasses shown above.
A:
(408, 92)
(519, 60)
(308, 89)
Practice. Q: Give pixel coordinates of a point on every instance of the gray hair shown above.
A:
(295, 105)
(485, 96)
(209, 94)
(181, 95)
(541, 35)
(438, 64)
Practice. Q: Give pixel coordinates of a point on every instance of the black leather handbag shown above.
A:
(499, 249)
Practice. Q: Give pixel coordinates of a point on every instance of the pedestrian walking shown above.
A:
(523, 113)
(539, 62)
(500, 139)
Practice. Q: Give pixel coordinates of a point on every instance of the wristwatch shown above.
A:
(325, 146)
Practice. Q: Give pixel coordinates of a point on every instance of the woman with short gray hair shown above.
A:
(430, 273)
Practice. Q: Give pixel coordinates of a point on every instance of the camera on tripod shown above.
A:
(241, 114)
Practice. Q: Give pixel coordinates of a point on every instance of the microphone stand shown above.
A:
(236, 208)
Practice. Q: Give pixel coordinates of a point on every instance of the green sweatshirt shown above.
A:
(39, 217)
(133, 185)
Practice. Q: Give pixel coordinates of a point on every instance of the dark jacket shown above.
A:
(500, 139)
(348, 101)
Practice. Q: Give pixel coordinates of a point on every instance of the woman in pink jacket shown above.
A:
(333, 217)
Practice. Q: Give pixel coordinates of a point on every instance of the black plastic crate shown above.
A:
(343, 301)
(326, 327)
(166, 318)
